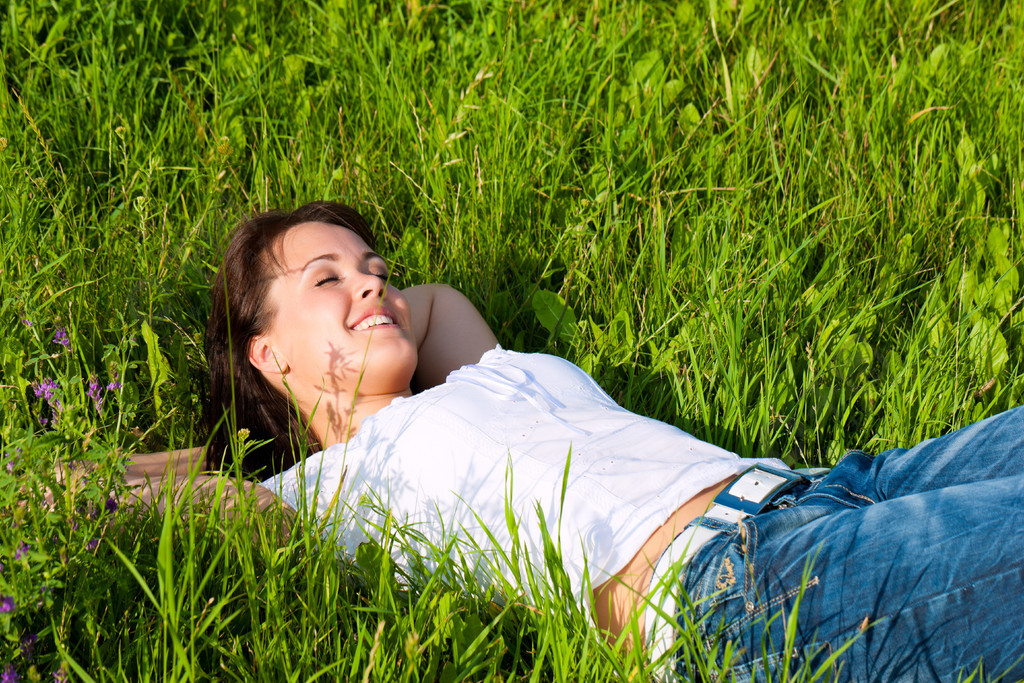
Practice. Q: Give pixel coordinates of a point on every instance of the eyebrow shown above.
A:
(367, 256)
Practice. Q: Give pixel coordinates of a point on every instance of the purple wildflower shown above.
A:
(21, 551)
(26, 322)
(60, 675)
(111, 505)
(28, 643)
(7, 603)
(61, 337)
(92, 544)
(9, 675)
(95, 392)
(114, 386)
(45, 389)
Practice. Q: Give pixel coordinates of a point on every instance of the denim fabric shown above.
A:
(917, 554)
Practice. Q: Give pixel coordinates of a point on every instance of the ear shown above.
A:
(264, 358)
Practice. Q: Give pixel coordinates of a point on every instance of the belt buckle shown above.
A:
(754, 489)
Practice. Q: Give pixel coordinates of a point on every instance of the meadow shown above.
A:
(788, 228)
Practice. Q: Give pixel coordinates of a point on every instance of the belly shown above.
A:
(620, 597)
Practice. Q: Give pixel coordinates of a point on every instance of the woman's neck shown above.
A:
(336, 418)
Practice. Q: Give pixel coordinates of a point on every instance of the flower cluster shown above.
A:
(28, 643)
(95, 391)
(61, 337)
(12, 459)
(10, 672)
(47, 389)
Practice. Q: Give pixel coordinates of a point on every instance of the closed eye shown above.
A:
(325, 280)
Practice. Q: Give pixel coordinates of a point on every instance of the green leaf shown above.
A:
(936, 59)
(690, 117)
(12, 357)
(794, 118)
(1004, 289)
(372, 558)
(684, 14)
(996, 242)
(939, 330)
(968, 285)
(444, 614)
(648, 71)
(856, 355)
(965, 154)
(415, 251)
(159, 370)
(554, 314)
(727, 85)
(620, 332)
(754, 62)
(671, 91)
(987, 348)
(294, 68)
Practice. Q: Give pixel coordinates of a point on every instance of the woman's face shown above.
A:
(339, 332)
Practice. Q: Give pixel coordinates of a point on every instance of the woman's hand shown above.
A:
(449, 332)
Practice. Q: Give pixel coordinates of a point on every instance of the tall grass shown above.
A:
(788, 228)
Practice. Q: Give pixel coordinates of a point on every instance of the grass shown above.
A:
(789, 229)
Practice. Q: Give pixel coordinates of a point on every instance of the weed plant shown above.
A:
(788, 228)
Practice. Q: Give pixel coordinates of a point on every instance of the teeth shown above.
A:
(373, 321)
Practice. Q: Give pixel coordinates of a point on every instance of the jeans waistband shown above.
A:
(750, 493)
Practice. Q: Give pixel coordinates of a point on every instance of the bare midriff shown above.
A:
(617, 599)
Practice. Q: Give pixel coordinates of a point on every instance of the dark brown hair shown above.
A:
(240, 397)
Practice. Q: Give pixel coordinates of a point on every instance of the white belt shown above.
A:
(747, 495)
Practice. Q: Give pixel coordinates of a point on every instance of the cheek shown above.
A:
(401, 306)
(292, 332)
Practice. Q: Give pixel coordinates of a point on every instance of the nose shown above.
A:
(372, 286)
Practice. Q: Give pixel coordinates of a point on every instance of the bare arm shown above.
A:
(175, 463)
(449, 332)
(151, 477)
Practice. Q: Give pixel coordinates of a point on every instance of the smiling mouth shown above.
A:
(373, 321)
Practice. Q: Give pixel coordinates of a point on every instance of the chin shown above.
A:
(391, 369)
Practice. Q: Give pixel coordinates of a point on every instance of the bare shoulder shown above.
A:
(421, 300)
(449, 331)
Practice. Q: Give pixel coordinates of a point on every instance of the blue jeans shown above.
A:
(916, 554)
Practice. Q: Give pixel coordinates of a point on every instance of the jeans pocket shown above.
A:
(739, 612)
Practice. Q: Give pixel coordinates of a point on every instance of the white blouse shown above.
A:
(499, 447)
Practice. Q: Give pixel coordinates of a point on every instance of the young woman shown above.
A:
(374, 399)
